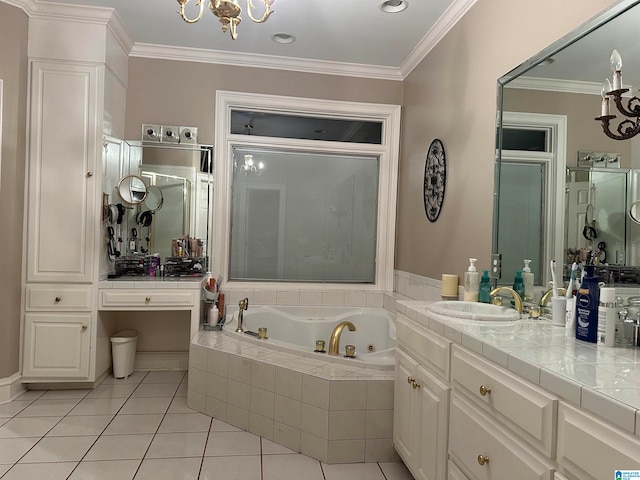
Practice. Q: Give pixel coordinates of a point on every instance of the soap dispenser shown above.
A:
(518, 284)
(528, 279)
(484, 294)
(471, 282)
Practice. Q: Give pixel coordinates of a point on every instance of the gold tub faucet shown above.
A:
(334, 341)
(242, 306)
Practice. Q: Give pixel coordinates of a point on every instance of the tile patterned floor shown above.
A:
(141, 428)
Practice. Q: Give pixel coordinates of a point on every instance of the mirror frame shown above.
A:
(130, 200)
(153, 192)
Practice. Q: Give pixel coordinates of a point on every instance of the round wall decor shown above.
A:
(435, 176)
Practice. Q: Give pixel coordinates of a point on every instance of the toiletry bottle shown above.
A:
(528, 279)
(484, 294)
(471, 282)
(607, 313)
(587, 303)
(518, 284)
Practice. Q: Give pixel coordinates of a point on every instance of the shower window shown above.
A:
(303, 217)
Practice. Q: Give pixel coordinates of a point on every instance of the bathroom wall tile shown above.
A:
(198, 357)
(380, 394)
(196, 400)
(379, 424)
(345, 451)
(218, 362)
(381, 450)
(215, 408)
(197, 380)
(232, 297)
(610, 409)
(238, 394)
(333, 299)
(239, 369)
(314, 420)
(216, 387)
(493, 353)
(313, 446)
(355, 299)
(288, 383)
(375, 300)
(261, 426)
(389, 303)
(287, 298)
(348, 395)
(262, 402)
(310, 298)
(315, 391)
(560, 385)
(238, 417)
(264, 297)
(287, 410)
(347, 425)
(263, 375)
(286, 435)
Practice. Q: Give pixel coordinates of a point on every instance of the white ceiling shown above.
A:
(340, 35)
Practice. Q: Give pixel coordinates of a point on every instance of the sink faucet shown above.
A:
(544, 300)
(516, 298)
(334, 341)
(242, 306)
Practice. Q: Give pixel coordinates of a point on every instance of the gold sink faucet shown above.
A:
(544, 300)
(334, 341)
(242, 306)
(516, 298)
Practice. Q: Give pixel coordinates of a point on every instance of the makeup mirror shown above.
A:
(132, 190)
(154, 199)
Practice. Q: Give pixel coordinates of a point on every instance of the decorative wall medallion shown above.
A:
(435, 176)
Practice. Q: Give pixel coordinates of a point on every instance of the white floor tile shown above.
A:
(77, 425)
(220, 426)
(171, 445)
(290, 467)
(119, 447)
(49, 408)
(28, 426)
(272, 448)
(113, 390)
(98, 406)
(130, 424)
(179, 405)
(165, 377)
(169, 469)
(222, 444)
(106, 470)
(135, 377)
(183, 422)
(396, 471)
(64, 394)
(352, 471)
(53, 449)
(231, 468)
(13, 408)
(11, 449)
(40, 471)
(146, 405)
(3, 469)
(31, 395)
(155, 390)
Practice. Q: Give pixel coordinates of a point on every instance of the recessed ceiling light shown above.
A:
(394, 6)
(283, 38)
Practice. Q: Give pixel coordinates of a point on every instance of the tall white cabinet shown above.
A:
(77, 75)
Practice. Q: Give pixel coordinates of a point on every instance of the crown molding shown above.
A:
(202, 55)
(556, 85)
(446, 22)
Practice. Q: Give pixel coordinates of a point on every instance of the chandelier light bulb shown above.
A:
(616, 68)
(606, 88)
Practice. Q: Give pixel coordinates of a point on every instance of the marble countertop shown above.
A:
(602, 380)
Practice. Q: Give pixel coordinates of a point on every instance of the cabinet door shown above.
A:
(63, 152)
(454, 472)
(56, 345)
(403, 415)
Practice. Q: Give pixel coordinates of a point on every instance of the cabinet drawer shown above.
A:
(472, 434)
(116, 298)
(589, 449)
(56, 297)
(525, 408)
(425, 346)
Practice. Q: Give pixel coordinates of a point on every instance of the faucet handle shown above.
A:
(243, 304)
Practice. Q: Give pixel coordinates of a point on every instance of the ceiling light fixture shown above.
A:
(393, 6)
(626, 128)
(228, 11)
(283, 38)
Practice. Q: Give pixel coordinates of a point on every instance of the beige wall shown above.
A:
(451, 95)
(13, 72)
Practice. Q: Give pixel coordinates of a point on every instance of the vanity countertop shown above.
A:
(152, 282)
(602, 380)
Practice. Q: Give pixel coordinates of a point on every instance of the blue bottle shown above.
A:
(484, 294)
(587, 302)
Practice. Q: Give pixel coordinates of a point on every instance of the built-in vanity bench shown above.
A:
(519, 401)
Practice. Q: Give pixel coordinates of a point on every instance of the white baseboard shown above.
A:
(11, 387)
(162, 361)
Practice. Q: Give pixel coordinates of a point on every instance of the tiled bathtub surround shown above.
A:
(334, 413)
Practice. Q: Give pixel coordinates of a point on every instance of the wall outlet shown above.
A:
(496, 266)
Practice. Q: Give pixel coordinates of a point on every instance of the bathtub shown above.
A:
(295, 329)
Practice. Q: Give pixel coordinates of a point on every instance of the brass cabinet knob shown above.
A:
(415, 385)
(484, 390)
(147, 300)
(84, 327)
(57, 299)
(410, 380)
(89, 174)
(483, 459)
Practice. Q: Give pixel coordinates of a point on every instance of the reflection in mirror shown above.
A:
(154, 199)
(564, 82)
(132, 190)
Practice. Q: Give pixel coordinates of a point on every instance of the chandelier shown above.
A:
(249, 166)
(630, 126)
(228, 11)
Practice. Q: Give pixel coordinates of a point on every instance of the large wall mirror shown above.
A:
(563, 188)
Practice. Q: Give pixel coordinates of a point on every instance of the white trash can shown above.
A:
(123, 352)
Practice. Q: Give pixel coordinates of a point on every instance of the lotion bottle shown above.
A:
(484, 295)
(587, 303)
(607, 317)
(471, 282)
(528, 279)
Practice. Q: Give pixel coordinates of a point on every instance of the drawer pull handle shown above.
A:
(57, 299)
(147, 300)
(415, 385)
(410, 380)
(484, 391)
(483, 459)
(84, 327)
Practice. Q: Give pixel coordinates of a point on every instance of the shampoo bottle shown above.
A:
(471, 282)
(484, 294)
(607, 317)
(587, 303)
(528, 279)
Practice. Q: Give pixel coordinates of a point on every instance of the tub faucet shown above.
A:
(517, 299)
(242, 306)
(334, 341)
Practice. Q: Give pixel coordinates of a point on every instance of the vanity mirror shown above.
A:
(132, 190)
(154, 199)
(546, 115)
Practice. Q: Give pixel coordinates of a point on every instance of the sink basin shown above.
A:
(475, 311)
